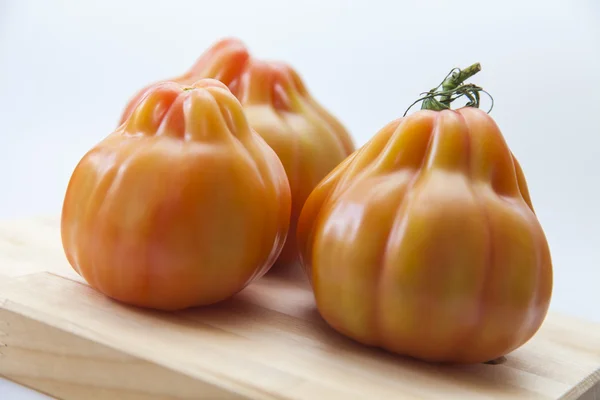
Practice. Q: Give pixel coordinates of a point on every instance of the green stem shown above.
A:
(453, 87)
(454, 80)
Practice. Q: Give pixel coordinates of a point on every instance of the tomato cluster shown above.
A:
(424, 241)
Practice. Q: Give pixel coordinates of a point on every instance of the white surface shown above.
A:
(11, 391)
(68, 67)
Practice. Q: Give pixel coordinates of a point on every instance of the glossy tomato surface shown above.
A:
(183, 205)
(425, 242)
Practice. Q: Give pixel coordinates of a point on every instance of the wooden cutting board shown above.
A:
(60, 337)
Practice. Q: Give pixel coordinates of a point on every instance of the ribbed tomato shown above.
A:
(309, 141)
(425, 241)
(183, 205)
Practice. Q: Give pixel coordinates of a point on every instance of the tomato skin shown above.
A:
(183, 205)
(308, 139)
(425, 242)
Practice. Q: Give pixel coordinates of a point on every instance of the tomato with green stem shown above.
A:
(425, 241)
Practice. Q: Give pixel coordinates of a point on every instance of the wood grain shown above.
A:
(59, 336)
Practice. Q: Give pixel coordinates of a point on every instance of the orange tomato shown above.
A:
(425, 242)
(309, 140)
(183, 205)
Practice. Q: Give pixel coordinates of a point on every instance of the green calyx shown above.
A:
(452, 88)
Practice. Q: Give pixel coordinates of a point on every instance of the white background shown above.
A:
(67, 69)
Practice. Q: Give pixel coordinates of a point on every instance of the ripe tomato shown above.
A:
(309, 140)
(183, 205)
(425, 242)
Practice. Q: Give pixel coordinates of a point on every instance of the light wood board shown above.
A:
(60, 337)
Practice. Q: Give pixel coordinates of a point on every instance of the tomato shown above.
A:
(425, 242)
(183, 205)
(308, 139)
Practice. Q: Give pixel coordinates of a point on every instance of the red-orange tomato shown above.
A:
(309, 140)
(183, 205)
(425, 242)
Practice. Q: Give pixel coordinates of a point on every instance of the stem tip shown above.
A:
(452, 88)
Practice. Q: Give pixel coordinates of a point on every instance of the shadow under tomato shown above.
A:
(288, 271)
(279, 315)
(495, 377)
